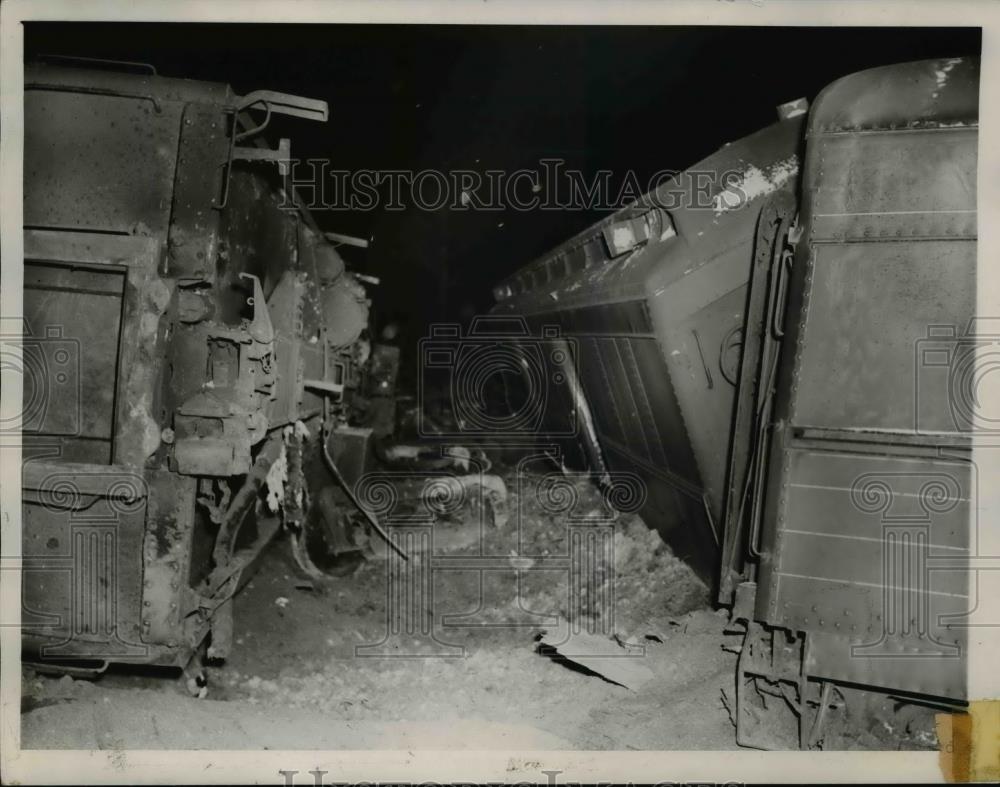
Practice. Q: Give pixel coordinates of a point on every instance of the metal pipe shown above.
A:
(350, 493)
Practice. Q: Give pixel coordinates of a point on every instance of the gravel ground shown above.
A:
(297, 680)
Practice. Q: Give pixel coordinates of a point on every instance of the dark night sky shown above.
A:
(447, 97)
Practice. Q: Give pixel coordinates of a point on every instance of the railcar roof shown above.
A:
(921, 94)
(163, 88)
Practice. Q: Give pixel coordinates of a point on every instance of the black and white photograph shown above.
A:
(442, 383)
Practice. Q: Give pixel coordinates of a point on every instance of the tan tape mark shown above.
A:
(985, 764)
(970, 743)
(953, 742)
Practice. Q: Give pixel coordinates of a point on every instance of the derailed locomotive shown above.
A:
(191, 340)
(789, 367)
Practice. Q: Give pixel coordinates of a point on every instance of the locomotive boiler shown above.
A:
(190, 340)
(790, 367)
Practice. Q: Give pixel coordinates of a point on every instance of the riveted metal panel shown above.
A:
(872, 185)
(903, 96)
(870, 489)
(82, 562)
(127, 266)
(71, 361)
(260, 236)
(872, 551)
(870, 308)
(194, 221)
(897, 666)
(122, 245)
(98, 162)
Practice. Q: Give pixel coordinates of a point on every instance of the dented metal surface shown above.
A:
(175, 340)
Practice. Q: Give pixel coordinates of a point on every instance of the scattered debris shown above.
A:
(650, 586)
(433, 457)
(631, 644)
(603, 655)
(277, 475)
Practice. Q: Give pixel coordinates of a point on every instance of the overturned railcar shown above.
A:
(189, 335)
(833, 447)
(649, 304)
